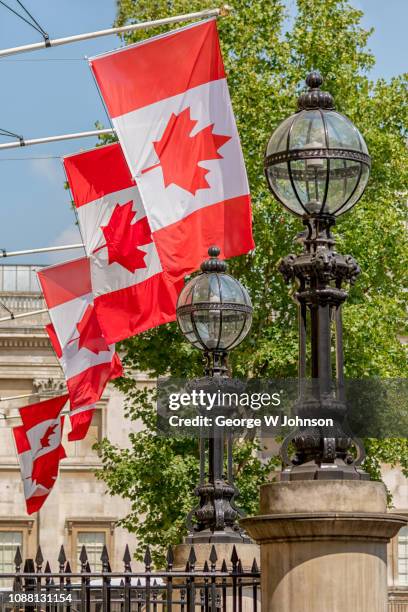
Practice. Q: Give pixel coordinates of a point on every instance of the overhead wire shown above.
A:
(4, 132)
(9, 134)
(33, 23)
(11, 313)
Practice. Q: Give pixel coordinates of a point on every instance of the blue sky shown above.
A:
(57, 96)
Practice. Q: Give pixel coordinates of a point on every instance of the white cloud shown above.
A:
(49, 169)
(70, 235)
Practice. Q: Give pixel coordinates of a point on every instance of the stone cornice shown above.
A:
(20, 520)
(102, 521)
(25, 341)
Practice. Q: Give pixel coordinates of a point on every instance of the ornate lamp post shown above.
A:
(323, 529)
(214, 312)
(317, 165)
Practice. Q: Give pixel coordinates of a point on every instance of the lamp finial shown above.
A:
(315, 97)
(213, 264)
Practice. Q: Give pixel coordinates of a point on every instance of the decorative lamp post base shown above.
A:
(226, 536)
(337, 470)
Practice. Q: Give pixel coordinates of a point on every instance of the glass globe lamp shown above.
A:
(317, 162)
(214, 310)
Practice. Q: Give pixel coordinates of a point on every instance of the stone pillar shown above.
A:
(323, 545)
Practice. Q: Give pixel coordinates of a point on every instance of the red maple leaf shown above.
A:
(90, 333)
(180, 153)
(124, 237)
(45, 440)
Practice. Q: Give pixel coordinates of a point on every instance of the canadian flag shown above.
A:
(80, 418)
(132, 292)
(39, 448)
(169, 103)
(87, 360)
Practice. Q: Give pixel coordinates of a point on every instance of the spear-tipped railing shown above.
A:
(216, 585)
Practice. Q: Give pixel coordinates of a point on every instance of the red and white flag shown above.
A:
(87, 360)
(80, 418)
(132, 292)
(39, 448)
(169, 103)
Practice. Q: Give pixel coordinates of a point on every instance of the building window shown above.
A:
(94, 534)
(403, 557)
(94, 541)
(9, 541)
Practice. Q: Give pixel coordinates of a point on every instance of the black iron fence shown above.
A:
(217, 586)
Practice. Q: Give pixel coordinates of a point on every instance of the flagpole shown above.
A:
(34, 141)
(120, 30)
(67, 247)
(24, 396)
(22, 315)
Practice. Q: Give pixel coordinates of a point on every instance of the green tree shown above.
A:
(266, 67)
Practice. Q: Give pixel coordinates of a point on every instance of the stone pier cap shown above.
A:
(325, 509)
